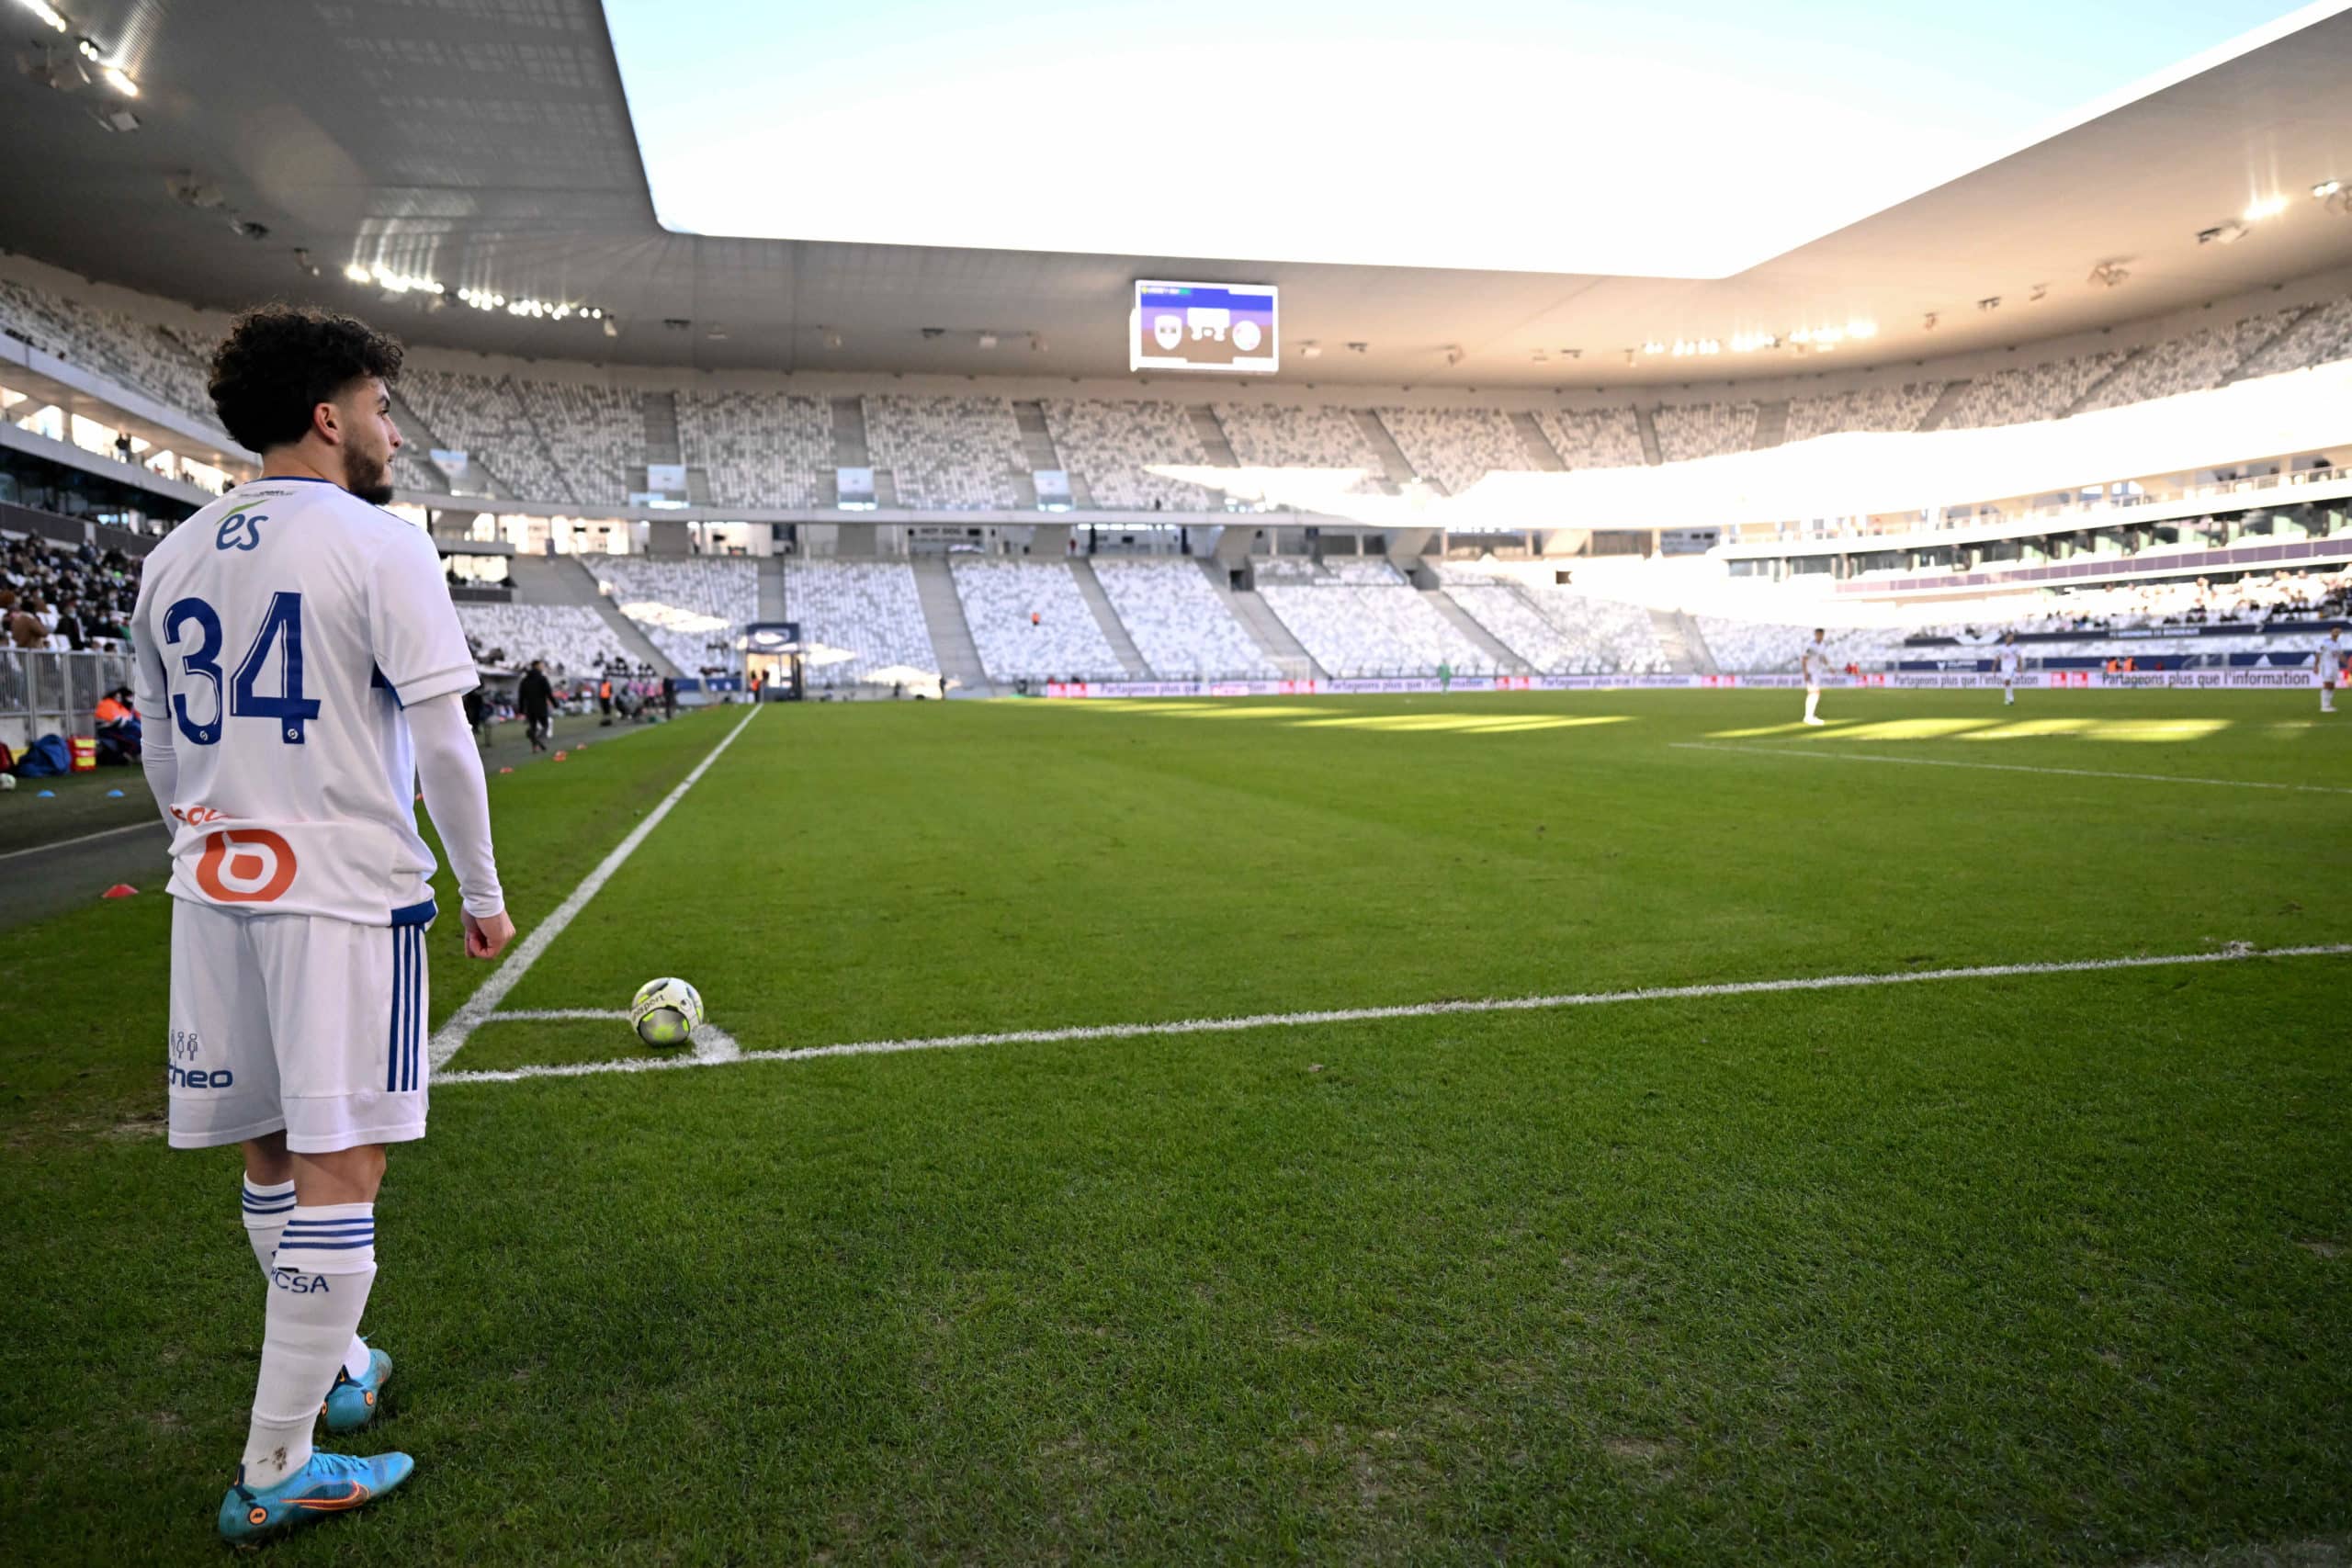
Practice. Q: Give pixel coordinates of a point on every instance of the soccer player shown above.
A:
(301, 671)
(2331, 667)
(2009, 660)
(1816, 664)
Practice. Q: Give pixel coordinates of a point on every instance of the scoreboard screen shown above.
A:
(1204, 326)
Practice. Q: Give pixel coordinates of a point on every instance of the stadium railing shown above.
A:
(46, 693)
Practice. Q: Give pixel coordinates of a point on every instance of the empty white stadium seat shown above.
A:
(692, 610)
(1029, 622)
(1179, 623)
(868, 610)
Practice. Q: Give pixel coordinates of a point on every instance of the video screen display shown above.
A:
(1204, 326)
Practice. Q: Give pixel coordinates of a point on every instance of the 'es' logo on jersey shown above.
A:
(240, 531)
(248, 865)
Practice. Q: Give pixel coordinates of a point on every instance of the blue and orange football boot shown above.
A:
(329, 1483)
(352, 1403)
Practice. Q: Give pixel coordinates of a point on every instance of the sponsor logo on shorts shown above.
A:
(187, 1045)
(199, 1077)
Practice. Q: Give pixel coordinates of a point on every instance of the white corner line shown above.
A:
(451, 1036)
(2004, 767)
(2235, 952)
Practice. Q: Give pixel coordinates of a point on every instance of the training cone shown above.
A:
(114, 794)
(46, 794)
(120, 890)
(559, 756)
(506, 770)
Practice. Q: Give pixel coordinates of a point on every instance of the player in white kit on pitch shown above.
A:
(2009, 660)
(301, 673)
(1816, 662)
(2330, 668)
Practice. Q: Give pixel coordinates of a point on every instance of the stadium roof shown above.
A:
(489, 146)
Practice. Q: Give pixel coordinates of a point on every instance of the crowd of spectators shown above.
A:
(66, 597)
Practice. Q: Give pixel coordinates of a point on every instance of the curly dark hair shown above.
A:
(279, 362)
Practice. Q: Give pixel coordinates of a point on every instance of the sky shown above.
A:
(1692, 139)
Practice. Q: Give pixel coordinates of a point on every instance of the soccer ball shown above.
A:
(666, 1012)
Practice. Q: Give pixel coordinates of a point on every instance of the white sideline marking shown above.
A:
(451, 1035)
(2236, 953)
(86, 839)
(2008, 767)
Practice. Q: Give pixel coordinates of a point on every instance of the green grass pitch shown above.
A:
(2017, 1269)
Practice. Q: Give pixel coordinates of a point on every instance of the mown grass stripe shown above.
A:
(2006, 767)
(451, 1036)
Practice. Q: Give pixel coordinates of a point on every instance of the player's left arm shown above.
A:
(159, 757)
(420, 649)
(448, 771)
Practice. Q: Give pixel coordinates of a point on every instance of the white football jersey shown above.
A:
(279, 630)
(1817, 660)
(2009, 660)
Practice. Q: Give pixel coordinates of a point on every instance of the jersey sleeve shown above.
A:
(413, 631)
(150, 690)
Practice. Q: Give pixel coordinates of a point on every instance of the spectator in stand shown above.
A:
(68, 630)
(538, 700)
(122, 446)
(25, 629)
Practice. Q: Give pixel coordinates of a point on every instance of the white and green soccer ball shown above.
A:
(666, 1012)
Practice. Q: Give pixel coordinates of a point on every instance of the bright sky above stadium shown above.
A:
(1693, 139)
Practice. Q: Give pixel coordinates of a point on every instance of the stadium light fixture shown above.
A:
(2327, 188)
(1653, 346)
(1860, 330)
(2264, 207)
(46, 13)
(119, 80)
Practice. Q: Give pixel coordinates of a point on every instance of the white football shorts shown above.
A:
(296, 1021)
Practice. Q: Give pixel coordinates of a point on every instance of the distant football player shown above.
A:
(2331, 667)
(301, 673)
(2008, 660)
(1816, 664)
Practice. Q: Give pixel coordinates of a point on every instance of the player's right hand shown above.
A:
(487, 937)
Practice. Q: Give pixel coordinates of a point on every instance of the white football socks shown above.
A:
(318, 1287)
(1811, 701)
(267, 1208)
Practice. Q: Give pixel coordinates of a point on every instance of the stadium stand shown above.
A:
(947, 454)
(573, 638)
(756, 449)
(1876, 408)
(868, 610)
(2188, 363)
(80, 596)
(1270, 435)
(1029, 622)
(1179, 624)
(1703, 430)
(132, 353)
(594, 433)
(2027, 394)
(1111, 446)
(1593, 438)
(2320, 338)
(1456, 447)
(1572, 633)
(483, 418)
(692, 610)
(1755, 647)
(411, 471)
(1360, 619)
